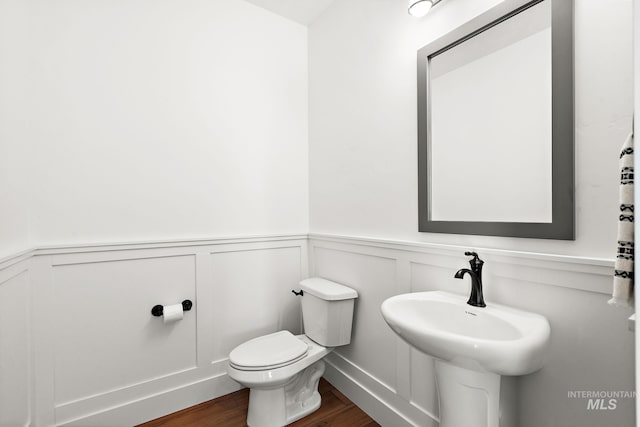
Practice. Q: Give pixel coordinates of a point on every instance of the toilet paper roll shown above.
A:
(172, 313)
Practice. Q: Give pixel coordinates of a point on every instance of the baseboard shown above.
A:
(160, 404)
(379, 402)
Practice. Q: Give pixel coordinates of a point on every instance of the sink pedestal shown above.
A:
(478, 352)
(468, 398)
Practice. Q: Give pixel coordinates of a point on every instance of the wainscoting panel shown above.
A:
(591, 348)
(15, 357)
(372, 346)
(423, 390)
(252, 295)
(103, 359)
(105, 338)
(84, 350)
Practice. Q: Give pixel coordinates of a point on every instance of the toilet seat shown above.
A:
(268, 352)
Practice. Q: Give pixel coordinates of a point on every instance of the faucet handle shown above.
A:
(475, 261)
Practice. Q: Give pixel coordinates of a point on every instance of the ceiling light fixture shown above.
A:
(419, 8)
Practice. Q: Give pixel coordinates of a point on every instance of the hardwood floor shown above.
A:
(231, 411)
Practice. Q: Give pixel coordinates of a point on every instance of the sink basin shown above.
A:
(496, 338)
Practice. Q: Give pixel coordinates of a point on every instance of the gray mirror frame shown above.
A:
(562, 226)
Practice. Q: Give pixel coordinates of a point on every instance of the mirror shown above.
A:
(495, 124)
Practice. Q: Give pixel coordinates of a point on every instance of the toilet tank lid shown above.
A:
(327, 290)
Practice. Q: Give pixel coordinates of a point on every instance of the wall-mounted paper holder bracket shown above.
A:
(158, 310)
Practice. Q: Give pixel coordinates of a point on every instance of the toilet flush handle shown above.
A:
(301, 293)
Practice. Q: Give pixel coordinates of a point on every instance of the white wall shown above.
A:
(133, 121)
(362, 148)
(141, 120)
(363, 182)
(14, 176)
(166, 119)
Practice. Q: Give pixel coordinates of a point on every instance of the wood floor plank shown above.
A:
(231, 411)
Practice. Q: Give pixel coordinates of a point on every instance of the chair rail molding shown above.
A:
(75, 298)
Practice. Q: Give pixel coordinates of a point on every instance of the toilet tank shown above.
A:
(327, 311)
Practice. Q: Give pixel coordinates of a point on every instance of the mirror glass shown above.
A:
(501, 75)
(495, 127)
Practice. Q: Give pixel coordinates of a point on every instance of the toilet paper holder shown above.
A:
(158, 310)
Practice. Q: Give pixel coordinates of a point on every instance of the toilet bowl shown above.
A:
(282, 370)
(288, 390)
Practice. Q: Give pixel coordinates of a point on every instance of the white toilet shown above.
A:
(283, 370)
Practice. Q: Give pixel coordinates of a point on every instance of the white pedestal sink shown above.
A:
(473, 347)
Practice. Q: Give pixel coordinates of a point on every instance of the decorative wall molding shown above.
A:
(393, 396)
(598, 265)
(436, 248)
(157, 404)
(165, 243)
(519, 263)
(16, 347)
(378, 400)
(26, 254)
(16, 258)
(396, 384)
(208, 271)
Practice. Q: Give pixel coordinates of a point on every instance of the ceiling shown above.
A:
(302, 11)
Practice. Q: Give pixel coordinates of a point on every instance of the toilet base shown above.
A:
(283, 405)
